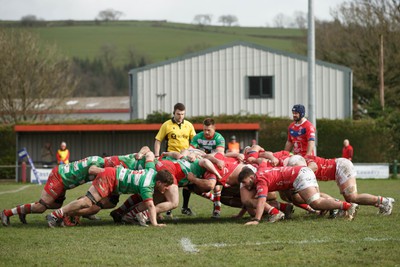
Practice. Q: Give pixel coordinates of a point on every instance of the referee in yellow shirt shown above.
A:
(178, 133)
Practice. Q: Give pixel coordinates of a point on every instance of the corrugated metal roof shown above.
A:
(90, 103)
(241, 43)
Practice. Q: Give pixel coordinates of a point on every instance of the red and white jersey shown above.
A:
(299, 135)
(326, 167)
(275, 179)
(230, 166)
(281, 156)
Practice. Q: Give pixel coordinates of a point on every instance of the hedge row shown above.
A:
(373, 142)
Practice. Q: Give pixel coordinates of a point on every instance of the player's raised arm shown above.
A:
(207, 164)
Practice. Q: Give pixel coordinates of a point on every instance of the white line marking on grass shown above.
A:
(15, 191)
(188, 246)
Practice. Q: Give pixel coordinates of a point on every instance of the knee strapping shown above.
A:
(350, 190)
(314, 197)
(41, 201)
(91, 197)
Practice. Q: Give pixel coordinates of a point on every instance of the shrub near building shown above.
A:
(373, 141)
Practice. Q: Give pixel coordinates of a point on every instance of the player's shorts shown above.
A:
(172, 168)
(344, 170)
(106, 182)
(305, 179)
(112, 161)
(54, 185)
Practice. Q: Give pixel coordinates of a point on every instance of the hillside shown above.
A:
(157, 40)
(104, 52)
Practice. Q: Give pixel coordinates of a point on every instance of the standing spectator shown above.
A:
(63, 154)
(178, 134)
(47, 155)
(347, 151)
(301, 133)
(233, 145)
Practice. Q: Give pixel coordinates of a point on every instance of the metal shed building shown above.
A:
(112, 139)
(239, 78)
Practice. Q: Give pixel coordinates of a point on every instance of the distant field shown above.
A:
(201, 241)
(158, 40)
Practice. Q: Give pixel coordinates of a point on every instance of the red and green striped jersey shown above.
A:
(208, 145)
(129, 161)
(77, 172)
(137, 181)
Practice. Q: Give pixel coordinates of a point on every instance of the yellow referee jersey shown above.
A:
(178, 136)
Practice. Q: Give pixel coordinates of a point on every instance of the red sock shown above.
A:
(345, 205)
(24, 209)
(217, 201)
(273, 211)
(129, 203)
(136, 209)
(58, 213)
(208, 195)
(304, 206)
(8, 213)
(21, 209)
(282, 206)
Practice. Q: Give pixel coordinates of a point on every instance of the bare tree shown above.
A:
(30, 73)
(300, 19)
(353, 40)
(109, 15)
(281, 21)
(203, 19)
(228, 20)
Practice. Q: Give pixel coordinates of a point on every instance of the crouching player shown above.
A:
(255, 187)
(62, 177)
(179, 167)
(122, 181)
(342, 171)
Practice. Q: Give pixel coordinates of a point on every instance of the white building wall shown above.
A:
(214, 83)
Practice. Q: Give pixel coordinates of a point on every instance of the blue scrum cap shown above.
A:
(299, 109)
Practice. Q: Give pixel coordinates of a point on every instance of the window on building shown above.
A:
(261, 86)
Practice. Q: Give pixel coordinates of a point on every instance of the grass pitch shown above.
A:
(201, 241)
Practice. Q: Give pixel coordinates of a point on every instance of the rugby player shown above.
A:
(342, 171)
(62, 177)
(122, 181)
(299, 178)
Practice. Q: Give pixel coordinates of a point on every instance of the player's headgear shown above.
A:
(299, 108)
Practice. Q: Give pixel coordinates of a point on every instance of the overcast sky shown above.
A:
(248, 12)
